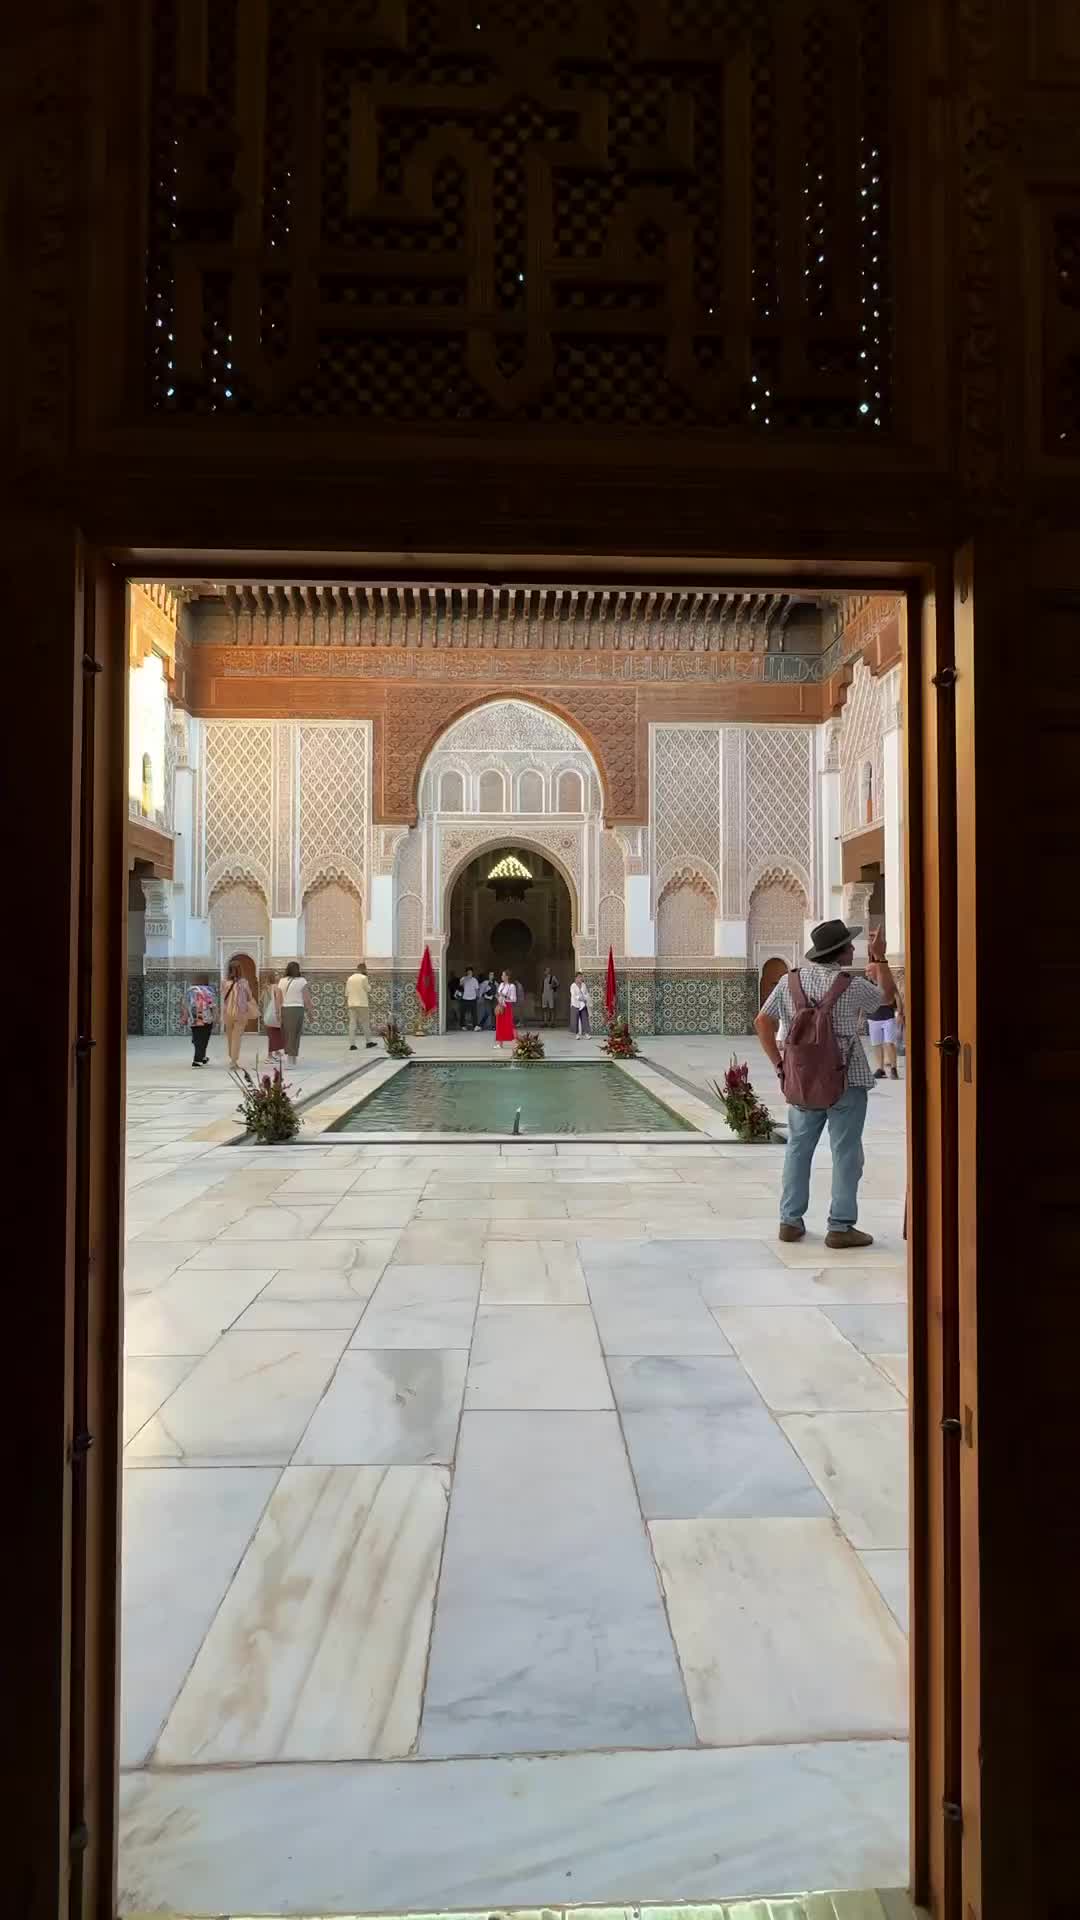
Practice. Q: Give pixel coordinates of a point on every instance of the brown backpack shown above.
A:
(815, 1065)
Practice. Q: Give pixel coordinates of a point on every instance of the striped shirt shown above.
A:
(863, 996)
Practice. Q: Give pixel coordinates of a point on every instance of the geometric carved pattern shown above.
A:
(239, 909)
(611, 911)
(778, 908)
(239, 799)
(686, 918)
(686, 797)
(334, 803)
(509, 726)
(519, 213)
(861, 741)
(333, 922)
(779, 801)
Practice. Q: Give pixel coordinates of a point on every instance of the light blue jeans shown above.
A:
(805, 1127)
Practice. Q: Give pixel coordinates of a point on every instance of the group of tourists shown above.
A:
(285, 1004)
(478, 1004)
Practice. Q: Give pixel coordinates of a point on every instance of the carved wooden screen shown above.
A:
(640, 213)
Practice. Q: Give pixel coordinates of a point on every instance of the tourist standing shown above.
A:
(548, 992)
(235, 1008)
(470, 990)
(884, 1024)
(358, 1006)
(198, 1012)
(579, 1006)
(812, 1065)
(506, 994)
(486, 1002)
(295, 1000)
(271, 1019)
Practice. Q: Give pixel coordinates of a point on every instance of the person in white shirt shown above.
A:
(579, 1006)
(470, 990)
(294, 999)
(358, 1006)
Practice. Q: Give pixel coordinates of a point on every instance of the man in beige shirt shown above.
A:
(357, 1006)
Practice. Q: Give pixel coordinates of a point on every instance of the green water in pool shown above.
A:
(437, 1096)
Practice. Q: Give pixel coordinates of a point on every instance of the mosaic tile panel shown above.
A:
(740, 1000)
(135, 1003)
(688, 1003)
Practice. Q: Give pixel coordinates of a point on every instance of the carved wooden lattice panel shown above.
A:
(779, 801)
(239, 801)
(862, 743)
(637, 212)
(686, 799)
(333, 804)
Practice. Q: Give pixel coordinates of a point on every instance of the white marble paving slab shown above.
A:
(371, 1213)
(148, 1382)
(889, 1569)
(874, 1329)
(444, 1206)
(305, 1256)
(421, 1306)
(390, 1407)
(541, 1357)
(321, 1183)
(192, 1220)
(276, 1223)
(148, 1262)
(686, 1254)
(859, 1461)
(492, 1834)
(801, 1363)
(454, 1242)
(779, 1286)
(568, 1231)
(318, 1650)
(542, 1202)
(246, 1403)
(888, 1250)
(273, 1314)
(895, 1367)
(185, 1533)
(654, 1315)
(189, 1311)
(780, 1633)
(532, 1273)
(562, 1642)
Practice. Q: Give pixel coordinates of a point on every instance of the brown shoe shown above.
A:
(848, 1237)
(790, 1230)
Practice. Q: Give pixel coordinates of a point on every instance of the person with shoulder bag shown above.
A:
(271, 1019)
(235, 1008)
(824, 1072)
(294, 997)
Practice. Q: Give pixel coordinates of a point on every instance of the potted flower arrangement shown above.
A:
(395, 1042)
(744, 1110)
(620, 1042)
(528, 1046)
(266, 1107)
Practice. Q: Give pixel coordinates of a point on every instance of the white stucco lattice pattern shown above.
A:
(780, 803)
(861, 741)
(686, 797)
(239, 800)
(686, 918)
(506, 726)
(334, 763)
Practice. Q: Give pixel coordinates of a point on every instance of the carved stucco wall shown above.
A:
(686, 917)
(508, 757)
(778, 909)
(862, 727)
(685, 788)
(779, 806)
(333, 924)
(285, 806)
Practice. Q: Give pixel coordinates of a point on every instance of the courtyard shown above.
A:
(505, 1522)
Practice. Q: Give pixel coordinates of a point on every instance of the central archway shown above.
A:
(511, 905)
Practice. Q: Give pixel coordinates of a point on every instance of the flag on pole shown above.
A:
(609, 986)
(425, 983)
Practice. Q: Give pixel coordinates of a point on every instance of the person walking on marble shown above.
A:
(294, 998)
(358, 1006)
(809, 1028)
(235, 1009)
(198, 1012)
(548, 993)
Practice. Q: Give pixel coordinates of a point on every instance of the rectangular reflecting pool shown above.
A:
(442, 1096)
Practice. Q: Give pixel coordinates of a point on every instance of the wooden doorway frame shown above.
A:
(77, 1771)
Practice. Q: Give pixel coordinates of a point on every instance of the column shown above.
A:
(830, 903)
(893, 812)
(855, 910)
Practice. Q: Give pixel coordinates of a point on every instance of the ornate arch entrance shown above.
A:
(512, 906)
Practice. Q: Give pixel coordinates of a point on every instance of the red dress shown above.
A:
(504, 1021)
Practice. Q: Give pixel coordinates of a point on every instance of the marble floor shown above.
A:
(504, 1524)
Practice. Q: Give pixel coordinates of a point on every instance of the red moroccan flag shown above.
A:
(609, 986)
(425, 984)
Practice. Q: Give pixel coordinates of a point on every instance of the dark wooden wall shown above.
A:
(519, 299)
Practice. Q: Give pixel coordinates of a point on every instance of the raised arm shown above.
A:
(878, 967)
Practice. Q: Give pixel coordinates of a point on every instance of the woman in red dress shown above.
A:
(506, 994)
